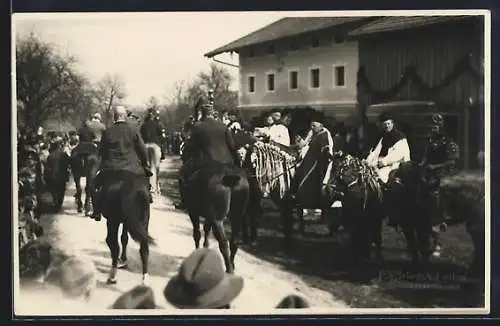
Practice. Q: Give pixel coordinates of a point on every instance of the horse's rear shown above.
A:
(216, 192)
(84, 164)
(154, 155)
(56, 176)
(124, 199)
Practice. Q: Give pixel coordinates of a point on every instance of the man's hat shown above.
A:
(293, 301)
(437, 119)
(78, 276)
(140, 297)
(202, 283)
(384, 116)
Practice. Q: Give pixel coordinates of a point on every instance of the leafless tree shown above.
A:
(47, 83)
(110, 91)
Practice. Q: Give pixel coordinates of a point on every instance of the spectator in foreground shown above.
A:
(78, 277)
(293, 301)
(202, 283)
(139, 297)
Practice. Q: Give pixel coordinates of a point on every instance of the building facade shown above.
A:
(437, 59)
(306, 62)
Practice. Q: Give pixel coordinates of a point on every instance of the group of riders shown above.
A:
(209, 137)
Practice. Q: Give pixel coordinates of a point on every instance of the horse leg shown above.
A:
(112, 242)
(207, 227)
(476, 233)
(220, 235)
(78, 193)
(302, 226)
(195, 220)
(411, 242)
(144, 252)
(287, 217)
(377, 237)
(122, 262)
(424, 236)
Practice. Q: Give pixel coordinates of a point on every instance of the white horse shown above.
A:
(154, 155)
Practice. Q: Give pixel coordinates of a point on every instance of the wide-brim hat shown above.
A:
(209, 287)
(97, 115)
(139, 297)
(177, 294)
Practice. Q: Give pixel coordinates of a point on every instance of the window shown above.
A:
(251, 84)
(338, 39)
(293, 79)
(314, 78)
(339, 76)
(293, 46)
(270, 49)
(315, 42)
(270, 82)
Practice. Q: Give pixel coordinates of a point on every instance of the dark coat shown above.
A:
(151, 132)
(122, 148)
(212, 141)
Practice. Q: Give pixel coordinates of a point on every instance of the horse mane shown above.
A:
(367, 174)
(274, 168)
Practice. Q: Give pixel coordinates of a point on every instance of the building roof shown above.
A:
(285, 27)
(394, 23)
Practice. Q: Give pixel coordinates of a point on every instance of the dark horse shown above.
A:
(356, 184)
(85, 164)
(124, 199)
(216, 192)
(57, 174)
(409, 201)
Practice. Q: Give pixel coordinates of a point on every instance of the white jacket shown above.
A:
(398, 153)
(277, 133)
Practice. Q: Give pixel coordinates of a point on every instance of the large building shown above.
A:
(342, 65)
(297, 62)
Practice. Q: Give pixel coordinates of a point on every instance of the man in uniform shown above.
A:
(440, 159)
(210, 141)
(121, 148)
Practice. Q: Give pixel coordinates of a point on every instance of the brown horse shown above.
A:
(124, 199)
(217, 192)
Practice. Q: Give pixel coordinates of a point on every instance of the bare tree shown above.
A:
(47, 83)
(110, 91)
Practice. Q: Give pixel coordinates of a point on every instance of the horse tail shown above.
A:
(133, 209)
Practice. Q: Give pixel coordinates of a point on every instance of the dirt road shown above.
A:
(265, 283)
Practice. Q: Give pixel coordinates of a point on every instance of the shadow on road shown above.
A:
(159, 264)
(322, 262)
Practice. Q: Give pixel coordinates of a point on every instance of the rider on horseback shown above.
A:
(391, 150)
(440, 159)
(210, 141)
(152, 129)
(122, 148)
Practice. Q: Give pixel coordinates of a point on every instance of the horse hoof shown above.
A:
(145, 280)
(122, 264)
(111, 281)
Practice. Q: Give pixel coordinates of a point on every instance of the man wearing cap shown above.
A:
(152, 130)
(440, 159)
(391, 150)
(210, 141)
(122, 148)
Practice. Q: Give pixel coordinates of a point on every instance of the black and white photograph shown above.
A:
(264, 163)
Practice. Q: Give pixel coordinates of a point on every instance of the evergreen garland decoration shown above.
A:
(410, 74)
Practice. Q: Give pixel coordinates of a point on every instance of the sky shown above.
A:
(150, 51)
